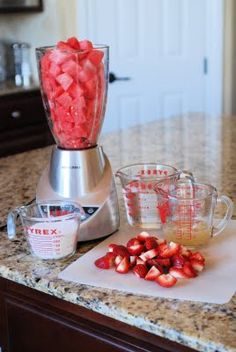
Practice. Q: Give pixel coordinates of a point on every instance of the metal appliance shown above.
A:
(78, 168)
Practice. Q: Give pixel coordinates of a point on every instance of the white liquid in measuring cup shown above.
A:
(53, 240)
(141, 205)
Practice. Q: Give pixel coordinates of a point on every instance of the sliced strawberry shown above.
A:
(140, 261)
(167, 250)
(105, 262)
(166, 280)
(152, 253)
(153, 273)
(198, 256)
(136, 249)
(178, 260)
(123, 266)
(151, 243)
(198, 265)
(189, 270)
(160, 240)
(111, 247)
(185, 251)
(118, 259)
(132, 260)
(178, 273)
(140, 270)
(153, 262)
(121, 250)
(142, 236)
(133, 242)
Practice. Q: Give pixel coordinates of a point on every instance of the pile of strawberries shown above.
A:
(153, 259)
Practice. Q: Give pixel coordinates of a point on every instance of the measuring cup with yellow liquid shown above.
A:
(187, 211)
(140, 200)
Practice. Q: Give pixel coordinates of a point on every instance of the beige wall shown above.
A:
(56, 22)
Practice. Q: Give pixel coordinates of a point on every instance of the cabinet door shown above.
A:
(31, 330)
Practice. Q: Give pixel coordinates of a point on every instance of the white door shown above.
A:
(160, 45)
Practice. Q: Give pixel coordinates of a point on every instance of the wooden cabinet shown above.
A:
(31, 321)
(23, 122)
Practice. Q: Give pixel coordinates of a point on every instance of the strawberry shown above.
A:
(123, 266)
(198, 256)
(160, 240)
(111, 247)
(185, 251)
(133, 242)
(140, 270)
(105, 262)
(166, 280)
(151, 243)
(132, 260)
(152, 274)
(136, 249)
(153, 262)
(118, 259)
(143, 235)
(164, 262)
(167, 250)
(152, 253)
(189, 270)
(198, 265)
(121, 250)
(140, 261)
(178, 260)
(178, 273)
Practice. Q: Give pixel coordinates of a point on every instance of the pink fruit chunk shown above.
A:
(95, 56)
(71, 67)
(86, 45)
(64, 80)
(140, 270)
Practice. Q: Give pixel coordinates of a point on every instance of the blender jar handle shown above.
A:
(11, 223)
(228, 215)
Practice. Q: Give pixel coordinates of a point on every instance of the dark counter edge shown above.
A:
(93, 327)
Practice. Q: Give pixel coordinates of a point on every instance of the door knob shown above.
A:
(113, 78)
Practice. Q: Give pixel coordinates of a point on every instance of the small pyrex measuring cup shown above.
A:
(50, 227)
(187, 212)
(140, 200)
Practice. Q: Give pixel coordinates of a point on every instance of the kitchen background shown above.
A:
(177, 55)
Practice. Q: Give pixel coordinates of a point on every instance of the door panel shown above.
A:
(160, 45)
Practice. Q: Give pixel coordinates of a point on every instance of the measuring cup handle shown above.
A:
(228, 215)
(11, 223)
(186, 174)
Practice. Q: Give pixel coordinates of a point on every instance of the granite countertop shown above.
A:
(206, 146)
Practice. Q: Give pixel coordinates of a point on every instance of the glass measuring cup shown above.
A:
(140, 200)
(50, 227)
(187, 211)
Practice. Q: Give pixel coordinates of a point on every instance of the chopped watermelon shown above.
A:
(74, 83)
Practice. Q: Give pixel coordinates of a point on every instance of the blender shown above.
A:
(74, 81)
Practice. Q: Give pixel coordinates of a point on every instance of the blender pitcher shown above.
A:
(140, 200)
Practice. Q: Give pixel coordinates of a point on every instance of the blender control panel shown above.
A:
(89, 211)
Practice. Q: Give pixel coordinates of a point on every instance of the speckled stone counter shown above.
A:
(207, 147)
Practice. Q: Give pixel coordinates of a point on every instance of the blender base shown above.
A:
(84, 176)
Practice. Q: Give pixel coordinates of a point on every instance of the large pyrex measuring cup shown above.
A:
(140, 200)
(187, 212)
